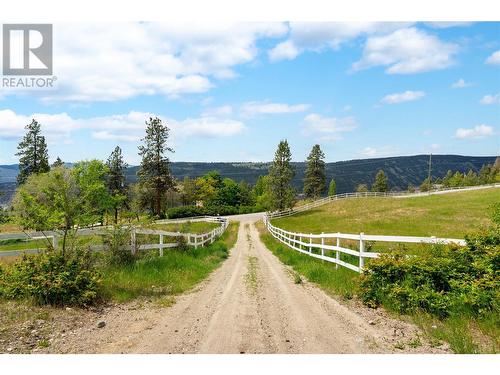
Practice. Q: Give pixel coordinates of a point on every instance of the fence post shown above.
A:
(337, 256)
(54, 241)
(361, 251)
(310, 242)
(322, 244)
(133, 241)
(195, 241)
(161, 245)
(300, 244)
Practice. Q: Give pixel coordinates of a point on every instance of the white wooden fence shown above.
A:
(192, 239)
(329, 199)
(305, 243)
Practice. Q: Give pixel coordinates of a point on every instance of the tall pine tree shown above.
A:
(381, 183)
(116, 180)
(281, 173)
(154, 172)
(315, 177)
(33, 154)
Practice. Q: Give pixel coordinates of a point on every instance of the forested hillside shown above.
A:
(400, 170)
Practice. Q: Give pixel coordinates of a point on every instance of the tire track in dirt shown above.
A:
(248, 305)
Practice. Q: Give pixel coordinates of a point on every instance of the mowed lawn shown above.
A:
(448, 215)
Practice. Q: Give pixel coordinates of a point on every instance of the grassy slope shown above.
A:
(452, 215)
(448, 215)
(341, 282)
(174, 273)
(465, 334)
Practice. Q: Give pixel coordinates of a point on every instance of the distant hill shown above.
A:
(401, 171)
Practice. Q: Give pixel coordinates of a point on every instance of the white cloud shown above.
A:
(490, 99)
(328, 128)
(55, 127)
(117, 61)
(478, 131)
(378, 152)
(494, 58)
(321, 36)
(251, 109)
(447, 24)
(406, 51)
(123, 127)
(225, 110)
(406, 96)
(284, 51)
(207, 127)
(461, 84)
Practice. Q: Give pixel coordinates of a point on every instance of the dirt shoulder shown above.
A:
(250, 304)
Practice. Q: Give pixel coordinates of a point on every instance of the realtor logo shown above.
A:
(27, 49)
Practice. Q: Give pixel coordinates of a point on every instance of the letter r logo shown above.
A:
(27, 49)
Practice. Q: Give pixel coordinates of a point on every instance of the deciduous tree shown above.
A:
(332, 188)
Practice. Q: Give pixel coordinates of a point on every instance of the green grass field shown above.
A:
(447, 215)
(164, 277)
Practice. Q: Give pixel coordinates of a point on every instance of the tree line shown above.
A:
(101, 186)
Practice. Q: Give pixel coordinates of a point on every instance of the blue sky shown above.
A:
(231, 92)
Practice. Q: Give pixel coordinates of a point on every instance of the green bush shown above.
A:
(441, 280)
(53, 279)
(117, 242)
(185, 211)
(192, 211)
(4, 216)
(495, 213)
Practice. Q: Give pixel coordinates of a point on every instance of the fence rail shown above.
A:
(329, 199)
(192, 239)
(305, 243)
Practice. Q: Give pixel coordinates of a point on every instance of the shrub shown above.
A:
(495, 213)
(441, 280)
(185, 211)
(221, 210)
(4, 216)
(182, 243)
(51, 278)
(117, 243)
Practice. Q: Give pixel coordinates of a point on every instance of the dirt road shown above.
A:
(249, 305)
